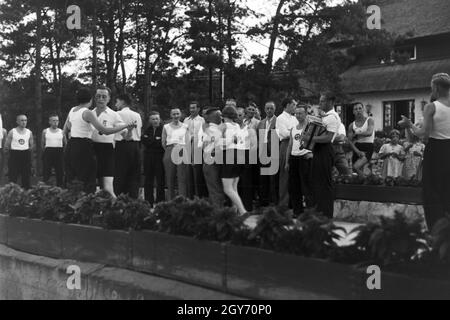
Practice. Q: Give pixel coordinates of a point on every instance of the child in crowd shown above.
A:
(414, 150)
(393, 155)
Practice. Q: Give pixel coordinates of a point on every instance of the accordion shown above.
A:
(314, 128)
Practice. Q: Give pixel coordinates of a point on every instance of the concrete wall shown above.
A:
(28, 277)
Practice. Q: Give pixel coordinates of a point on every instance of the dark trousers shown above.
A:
(196, 181)
(2, 157)
(268, 188)
(19, 165)
(176, 175)
(300, 183)
(127, 168)
(245, 185)
(54, 159)
(154, 170)
(81, 163)
(214, 184)
(323, 190)
(284, 175)
(436, 180)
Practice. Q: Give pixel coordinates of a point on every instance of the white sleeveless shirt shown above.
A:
(54, 139)
(296, 143)
(80, 128)
(234, 136)
(176, 135)
(20, 142)
(441, 122)
(364, 128)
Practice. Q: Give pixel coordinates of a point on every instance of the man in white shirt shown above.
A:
(323, 160)
(127, 152)
(104, 144)
(196, 181)
(249, 119)
(284, 124)
(268, 184)
(212, 138)
(246, 185)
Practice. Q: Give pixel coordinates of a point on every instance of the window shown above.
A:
(403, 54)
(394, 110)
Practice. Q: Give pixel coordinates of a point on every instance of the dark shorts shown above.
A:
(105, 159)
(231, 170)
(367, 148)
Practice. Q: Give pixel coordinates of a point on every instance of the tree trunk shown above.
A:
(273, 40)
(210, 71)
(38, 87)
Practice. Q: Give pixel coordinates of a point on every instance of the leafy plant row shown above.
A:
(390, 241)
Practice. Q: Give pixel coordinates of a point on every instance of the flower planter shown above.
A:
(93, 244)
(190, 260)
(144, 251)
(383, 194)
(3, 229)
(262, 274)
(34, 236)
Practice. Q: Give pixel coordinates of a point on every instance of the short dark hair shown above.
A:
(125, 98)
(153, 113)
(51, 115)
(230, 112)
(211, 110)
(302, 106)
(84, 95)
(105, 88)
(194, 102)
(330, 96)
(286, 101)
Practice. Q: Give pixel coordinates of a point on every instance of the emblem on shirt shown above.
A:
(21, 142)
(297, 137)
(105, 123)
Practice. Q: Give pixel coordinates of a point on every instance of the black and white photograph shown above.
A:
(230, 154)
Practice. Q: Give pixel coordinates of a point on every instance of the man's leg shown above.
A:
(214, 184)
(170, 170)
(284, 176)
(120, 170)
(295, 191)
(160, 180)
(134, 168)
(306, 181)
(26, 173)
(59, 167)
(323, 184)
(13, 166)
(47, 165)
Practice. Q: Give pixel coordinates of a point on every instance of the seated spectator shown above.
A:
(414, 150)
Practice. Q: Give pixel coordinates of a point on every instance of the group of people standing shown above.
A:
(229, 155)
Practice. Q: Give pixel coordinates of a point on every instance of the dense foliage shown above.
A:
(389, 242)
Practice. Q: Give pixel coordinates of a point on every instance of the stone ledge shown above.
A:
(364, 211)
(28, 277)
